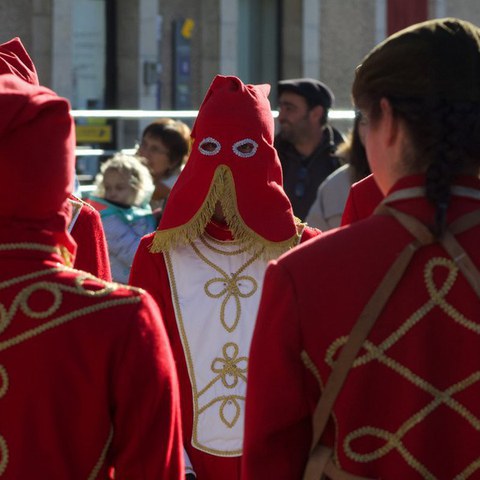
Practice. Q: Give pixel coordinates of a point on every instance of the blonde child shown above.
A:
(122, 186)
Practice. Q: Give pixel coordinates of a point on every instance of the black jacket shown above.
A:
(303, 175)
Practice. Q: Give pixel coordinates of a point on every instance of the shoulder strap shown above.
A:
(318, 459)
(456, 251)
(355, 341)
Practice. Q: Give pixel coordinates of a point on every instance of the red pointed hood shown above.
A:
(232, 161)
(37, 144)
(14, 59)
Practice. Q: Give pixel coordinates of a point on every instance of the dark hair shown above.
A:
(175, 135)
(430, 75)
(354, 153)
(445, 136)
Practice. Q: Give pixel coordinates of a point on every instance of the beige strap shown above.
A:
(350, 350)
(411, 224)
(317, 462)
(448, 240)
(315, 466)
(462, 260)
(466, 222)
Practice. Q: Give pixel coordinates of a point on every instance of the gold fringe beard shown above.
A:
(222, 190)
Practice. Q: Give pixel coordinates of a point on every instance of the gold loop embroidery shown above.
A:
(234, 286)
(231, 367)
(3, 381)
(42, 288)
(23, 301)
(231, 287)
(437, 298)
(214, 245)
(3, 455)
(227, 403)
(393, 440)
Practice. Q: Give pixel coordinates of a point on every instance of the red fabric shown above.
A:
(363, 198)
(432, 359)
(403, 13)
(37, 142)
(14, 59)
(92, 250)
(150, 272)
(231, 112)
(81, 360)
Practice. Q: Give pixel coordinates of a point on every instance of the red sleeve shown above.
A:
(349, 215)
(150, 272)
(363, 199)
(308, 233)
(92, 251)
(147, 428)
(277, 417)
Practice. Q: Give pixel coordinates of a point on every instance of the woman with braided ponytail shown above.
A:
(384, 383)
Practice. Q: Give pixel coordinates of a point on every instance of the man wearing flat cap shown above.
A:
(306, 142)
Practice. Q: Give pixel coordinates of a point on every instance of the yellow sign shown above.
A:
(94, 133)
(187, 28)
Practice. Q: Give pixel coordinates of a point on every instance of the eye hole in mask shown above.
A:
(209, 146)
(245, 148)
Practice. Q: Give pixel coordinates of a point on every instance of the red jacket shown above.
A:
(409, 408)
(87, 381)
(87, 231)
(150, 272)
(362, 200)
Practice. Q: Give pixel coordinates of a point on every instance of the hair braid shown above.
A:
(445, 137)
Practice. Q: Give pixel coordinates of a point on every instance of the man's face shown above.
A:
(293, 116)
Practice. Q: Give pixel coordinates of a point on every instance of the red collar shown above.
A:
(219, 230)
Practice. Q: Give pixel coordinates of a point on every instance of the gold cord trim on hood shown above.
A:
(221, 190)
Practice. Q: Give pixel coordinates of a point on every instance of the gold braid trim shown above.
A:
(3, 455)
(221, 190)
(101, 461)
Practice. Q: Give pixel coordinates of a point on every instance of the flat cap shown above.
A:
(314, 91)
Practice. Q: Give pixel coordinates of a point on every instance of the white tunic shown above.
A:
(216, 288)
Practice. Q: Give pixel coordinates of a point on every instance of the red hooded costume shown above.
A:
(207, 276)
(75, 351)
(85, 226)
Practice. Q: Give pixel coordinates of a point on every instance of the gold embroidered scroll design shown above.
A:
(393, 440)
(229, 369)
(3, 443)
(47, 289)
(234, 286)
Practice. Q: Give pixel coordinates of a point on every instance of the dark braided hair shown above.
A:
(445, 138)
(430, 73)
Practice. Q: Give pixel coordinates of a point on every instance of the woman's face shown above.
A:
(156, 154)
(385, 144)
(372, 137)
(118, 188)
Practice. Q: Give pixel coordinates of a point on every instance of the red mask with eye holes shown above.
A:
(232, 161)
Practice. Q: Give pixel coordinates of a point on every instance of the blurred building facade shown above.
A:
(163, 54)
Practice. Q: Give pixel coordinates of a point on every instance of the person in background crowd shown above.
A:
(226, 216)
(122, 186)
(393, 365)
(326, 212)
(85, 225)
(88, 387)
(306, 142)
(165, 145)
